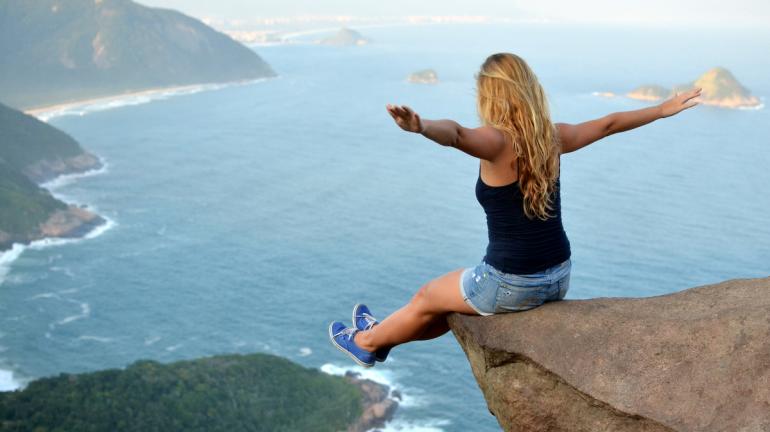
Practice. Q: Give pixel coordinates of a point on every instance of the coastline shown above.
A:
(91, 224)
(45, 112)
(76, 222)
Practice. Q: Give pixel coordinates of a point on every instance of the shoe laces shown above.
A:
(347, 331)
(370, 320)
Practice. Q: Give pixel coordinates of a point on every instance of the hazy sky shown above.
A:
(657, 12)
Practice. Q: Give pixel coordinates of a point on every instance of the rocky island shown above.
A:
(720, 88)
(34, 152)
(649, 93)
(235, 392)
(425, 76)
(345, 37)
(697, 360)
(62, 51)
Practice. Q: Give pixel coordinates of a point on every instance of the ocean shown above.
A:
(246, 217)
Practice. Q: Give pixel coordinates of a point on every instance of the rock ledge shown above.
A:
(695, 360)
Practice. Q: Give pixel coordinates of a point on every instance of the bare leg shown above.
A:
(437, 328)
(430, 305)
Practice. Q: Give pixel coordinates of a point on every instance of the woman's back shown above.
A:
(518, 244)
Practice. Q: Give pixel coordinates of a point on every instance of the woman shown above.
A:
(527, 261)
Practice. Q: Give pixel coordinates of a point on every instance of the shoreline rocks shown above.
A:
(379, 403)
(46, 169)
(72, 222)
(694, 360)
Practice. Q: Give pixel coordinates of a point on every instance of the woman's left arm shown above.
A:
(484, 143)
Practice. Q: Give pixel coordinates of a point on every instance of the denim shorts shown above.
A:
(489, 291)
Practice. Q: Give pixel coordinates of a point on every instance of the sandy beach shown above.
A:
(45, 111)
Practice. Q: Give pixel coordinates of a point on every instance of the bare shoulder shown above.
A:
(489, 134)
(492, 133)
(576, 136)
(564, 135)
(484, 142)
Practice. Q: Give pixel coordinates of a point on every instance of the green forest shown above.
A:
(255, 392)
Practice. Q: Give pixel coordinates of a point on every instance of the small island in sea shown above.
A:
(345, 37)
(425, 76)
(651, 92)
(34, 152)
(720, 88)
(234, 392)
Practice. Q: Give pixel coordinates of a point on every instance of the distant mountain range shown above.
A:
(32, 151)
(54, 51)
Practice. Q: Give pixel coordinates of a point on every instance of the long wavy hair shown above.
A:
(511, 99)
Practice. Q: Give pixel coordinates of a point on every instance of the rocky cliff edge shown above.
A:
(695, 360)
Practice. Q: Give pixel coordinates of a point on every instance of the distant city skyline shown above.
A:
(681, 13)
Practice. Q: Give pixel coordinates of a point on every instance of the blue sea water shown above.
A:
(248, 217)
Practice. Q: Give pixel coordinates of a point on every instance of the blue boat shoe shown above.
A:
(342, 338)
(363, 320)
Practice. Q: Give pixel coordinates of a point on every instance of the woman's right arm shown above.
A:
(484, 142)
(575, 137)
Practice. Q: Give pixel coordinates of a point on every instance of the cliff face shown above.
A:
(695, 360)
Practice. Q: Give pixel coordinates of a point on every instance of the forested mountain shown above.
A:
(60, 50)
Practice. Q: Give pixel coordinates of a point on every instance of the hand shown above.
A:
(680, 102)
(405, 118)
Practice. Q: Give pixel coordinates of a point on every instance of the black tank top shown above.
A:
(518, 244)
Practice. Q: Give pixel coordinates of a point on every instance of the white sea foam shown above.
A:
(408, 399)
(111, 102)
(429, 425)
(151, 340)
(66, 179)
(7, 258)
(95, 338)
(173, 348)
(64, 270)
(85, 311)
(305, 351)
(45, 295)
(382, 376)
(56, 241)
(8, 382)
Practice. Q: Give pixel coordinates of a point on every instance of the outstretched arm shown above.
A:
(575, 137)
(484, 142)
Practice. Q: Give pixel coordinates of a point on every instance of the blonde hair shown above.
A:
(511, 99)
